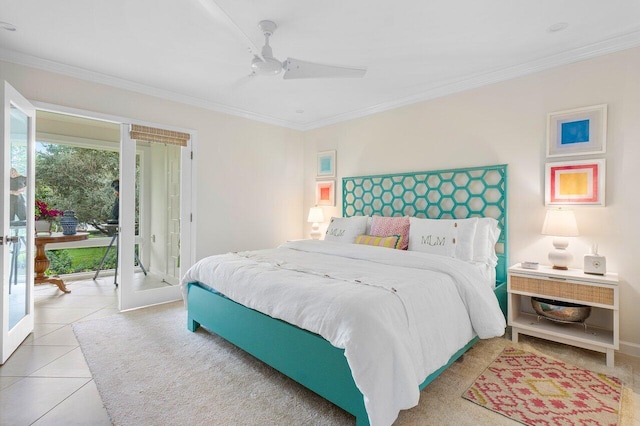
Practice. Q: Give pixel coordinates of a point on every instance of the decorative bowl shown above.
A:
(559, 311)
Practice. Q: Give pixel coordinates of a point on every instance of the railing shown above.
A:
(88, 243)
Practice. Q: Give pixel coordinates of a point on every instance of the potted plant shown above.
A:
(44, 217)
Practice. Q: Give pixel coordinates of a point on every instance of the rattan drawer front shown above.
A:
(565, 290)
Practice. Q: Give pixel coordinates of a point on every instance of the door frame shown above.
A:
(188, 205)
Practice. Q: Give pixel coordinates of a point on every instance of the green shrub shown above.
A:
(69, 261)
(61, 262)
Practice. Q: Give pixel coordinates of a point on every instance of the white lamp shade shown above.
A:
(315, 215)
(560, 223)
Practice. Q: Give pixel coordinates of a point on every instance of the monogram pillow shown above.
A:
(446, 237)
(346, 229)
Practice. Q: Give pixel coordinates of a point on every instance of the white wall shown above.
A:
(249, 174)
(506, 123)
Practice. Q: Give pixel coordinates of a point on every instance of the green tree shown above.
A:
(78, 179)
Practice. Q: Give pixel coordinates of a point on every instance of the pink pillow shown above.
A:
(387, 226)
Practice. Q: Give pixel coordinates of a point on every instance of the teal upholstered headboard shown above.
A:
(440, 194)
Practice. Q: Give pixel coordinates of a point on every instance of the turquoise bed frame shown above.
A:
(308, 358)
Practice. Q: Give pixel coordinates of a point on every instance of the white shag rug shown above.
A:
(150, 370)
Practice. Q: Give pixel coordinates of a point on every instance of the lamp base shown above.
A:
(559, 257)
(315, 231)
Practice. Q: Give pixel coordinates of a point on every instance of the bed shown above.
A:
(305, 356)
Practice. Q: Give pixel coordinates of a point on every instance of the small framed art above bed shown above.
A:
(339, 317)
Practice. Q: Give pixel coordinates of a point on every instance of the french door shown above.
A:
(17, 224)
(155, 220)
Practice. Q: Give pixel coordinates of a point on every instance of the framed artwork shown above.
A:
(327, 164)
(581, 131)
(326, 193)
(575, 183)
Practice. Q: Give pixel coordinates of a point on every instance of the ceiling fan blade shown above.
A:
(295, 68)
(223, 18)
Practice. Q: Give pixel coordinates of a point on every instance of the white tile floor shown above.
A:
(47, 381)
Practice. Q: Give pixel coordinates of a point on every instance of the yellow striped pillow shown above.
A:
(391, 241)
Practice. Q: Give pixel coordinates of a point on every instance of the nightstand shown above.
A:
(574, 286)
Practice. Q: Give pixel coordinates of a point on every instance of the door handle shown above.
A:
(9, 239)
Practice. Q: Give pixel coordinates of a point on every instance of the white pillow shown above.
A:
(346, 229)
(484, 242)
(446, 237)
(466, 233)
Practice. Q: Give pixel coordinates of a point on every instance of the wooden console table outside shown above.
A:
(42, 262)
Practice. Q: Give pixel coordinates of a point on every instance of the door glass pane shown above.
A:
(19, 132)
(157, 242)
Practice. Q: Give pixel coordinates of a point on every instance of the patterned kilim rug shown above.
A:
(536, 390)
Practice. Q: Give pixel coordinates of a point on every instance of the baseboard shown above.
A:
(629, 348)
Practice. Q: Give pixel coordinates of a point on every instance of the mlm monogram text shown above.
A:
(430, 240)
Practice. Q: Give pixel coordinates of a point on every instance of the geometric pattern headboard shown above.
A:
(441, 194)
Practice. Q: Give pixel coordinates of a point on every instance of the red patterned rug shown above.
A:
(535, 390)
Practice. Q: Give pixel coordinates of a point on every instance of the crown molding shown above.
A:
(618, 43)
(628, 40)
(119, 83)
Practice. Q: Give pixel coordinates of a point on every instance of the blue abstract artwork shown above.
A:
(325, 165)
(574, 132)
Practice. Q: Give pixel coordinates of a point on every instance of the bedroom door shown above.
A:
(17, 225)
(155, 215)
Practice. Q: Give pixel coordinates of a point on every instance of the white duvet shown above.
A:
(398, 315)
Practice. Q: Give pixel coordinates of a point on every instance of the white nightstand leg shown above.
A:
(514, 335)
(610, 357)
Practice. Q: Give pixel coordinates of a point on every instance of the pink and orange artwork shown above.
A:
(575, 183)
(325, 193)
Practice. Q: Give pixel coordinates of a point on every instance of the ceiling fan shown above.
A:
(265, 64)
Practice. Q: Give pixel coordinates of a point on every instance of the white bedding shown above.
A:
(398, 315)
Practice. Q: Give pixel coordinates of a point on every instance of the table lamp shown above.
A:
(560, 224)
(315, 217)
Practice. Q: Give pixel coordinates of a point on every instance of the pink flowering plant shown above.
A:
(43, 212)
